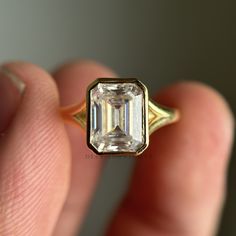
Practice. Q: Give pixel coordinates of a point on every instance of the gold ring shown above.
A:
(118, 116)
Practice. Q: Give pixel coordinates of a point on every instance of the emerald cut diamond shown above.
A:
(117, 116)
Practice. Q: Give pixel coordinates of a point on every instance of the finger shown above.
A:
(34, 158)
(178, 184)
(72, 80)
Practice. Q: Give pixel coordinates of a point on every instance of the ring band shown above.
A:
(118, 116)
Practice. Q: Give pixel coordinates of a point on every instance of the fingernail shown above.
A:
(11, 90)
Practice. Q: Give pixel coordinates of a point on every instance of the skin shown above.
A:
(46, 183)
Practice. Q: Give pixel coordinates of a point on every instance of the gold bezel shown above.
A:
(145, 126)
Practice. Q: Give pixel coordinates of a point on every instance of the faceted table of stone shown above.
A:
(116, 117)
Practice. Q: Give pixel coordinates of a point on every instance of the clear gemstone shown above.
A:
(116, 117)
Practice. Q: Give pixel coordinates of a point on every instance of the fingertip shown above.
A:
(33, 76)
(73, 78)
(196, 100)
(40, 97)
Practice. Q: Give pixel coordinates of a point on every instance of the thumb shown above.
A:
(34, 156)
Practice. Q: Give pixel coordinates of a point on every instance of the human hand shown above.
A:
(46, 181)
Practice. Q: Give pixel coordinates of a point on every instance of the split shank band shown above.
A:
(118, 116)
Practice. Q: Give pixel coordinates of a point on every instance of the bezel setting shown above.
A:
(144, 118)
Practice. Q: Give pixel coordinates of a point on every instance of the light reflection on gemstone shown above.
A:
(116, 117)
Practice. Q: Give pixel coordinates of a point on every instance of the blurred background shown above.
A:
(158, 41)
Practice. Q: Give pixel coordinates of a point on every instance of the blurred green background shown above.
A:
(157, 41)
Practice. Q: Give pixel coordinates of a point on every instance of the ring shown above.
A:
(118, 116)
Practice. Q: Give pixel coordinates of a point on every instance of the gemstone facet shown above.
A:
(117, 116)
